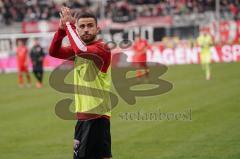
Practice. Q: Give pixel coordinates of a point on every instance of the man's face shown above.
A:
(204, 32)
(137, 38)
(87, 29)
(20, 43)
(36, 42)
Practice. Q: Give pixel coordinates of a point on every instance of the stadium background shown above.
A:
(30, 129)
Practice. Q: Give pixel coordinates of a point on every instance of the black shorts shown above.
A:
(92, 139)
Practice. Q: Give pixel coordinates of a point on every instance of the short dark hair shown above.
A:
(87, 14)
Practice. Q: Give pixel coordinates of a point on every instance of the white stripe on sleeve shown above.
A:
(76, 39)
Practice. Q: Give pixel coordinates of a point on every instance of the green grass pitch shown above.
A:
(29, 128)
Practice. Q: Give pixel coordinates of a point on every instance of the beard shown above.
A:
(87, 38)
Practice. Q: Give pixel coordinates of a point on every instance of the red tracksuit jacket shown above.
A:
(96, 50)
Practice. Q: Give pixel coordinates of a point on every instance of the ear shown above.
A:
(98, 29)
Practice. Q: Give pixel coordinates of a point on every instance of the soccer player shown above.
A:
(22, 63)
(205, 42)
(140, 48)
(37, 57)
(92, 139)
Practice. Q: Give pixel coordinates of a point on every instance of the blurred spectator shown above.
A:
(119, 11)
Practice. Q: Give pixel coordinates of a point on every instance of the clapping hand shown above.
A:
(66, 16)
